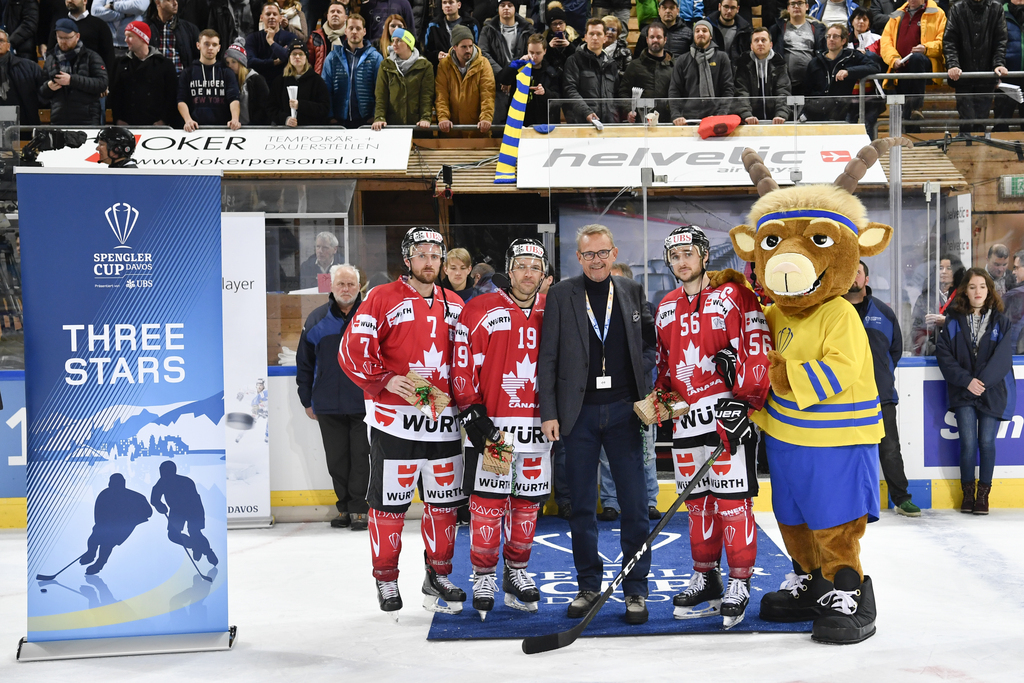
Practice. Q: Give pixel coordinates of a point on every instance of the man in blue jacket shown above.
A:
(350, 72)
(886, 342)
(1005, 106)
(333, 400)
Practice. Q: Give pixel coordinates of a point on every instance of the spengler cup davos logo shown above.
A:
(121, 218)
(122, 265)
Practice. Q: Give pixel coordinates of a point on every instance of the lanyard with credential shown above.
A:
(607, 324)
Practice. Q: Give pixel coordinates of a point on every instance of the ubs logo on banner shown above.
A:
(942, 436)
(122, 264)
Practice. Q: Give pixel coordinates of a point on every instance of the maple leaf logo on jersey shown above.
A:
(513, 382)
(433, 362)
(691, 362)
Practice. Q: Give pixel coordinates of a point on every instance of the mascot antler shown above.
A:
(759, 173)
(866, 157)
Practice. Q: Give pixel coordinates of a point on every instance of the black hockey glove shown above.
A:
(733, 425)
(725, 362)
(478, 426)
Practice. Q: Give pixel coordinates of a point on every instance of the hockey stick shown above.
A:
(189, 556)
(51, 577)
(554, 641)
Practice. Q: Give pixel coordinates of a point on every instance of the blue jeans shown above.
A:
(608, 497)
(977, 434)
(616, 428)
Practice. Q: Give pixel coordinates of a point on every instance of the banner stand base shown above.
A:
(251, 523)
(123, 647)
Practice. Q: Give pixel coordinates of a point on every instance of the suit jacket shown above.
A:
(565, 346)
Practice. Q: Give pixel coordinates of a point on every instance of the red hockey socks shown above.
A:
(385, 543)
(705, 533)
(520, 525)
(485, 532)
(736, 518)
(438, 529)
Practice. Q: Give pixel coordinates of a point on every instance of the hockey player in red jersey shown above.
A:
(712, 348)
(409, 325)
(494, 377)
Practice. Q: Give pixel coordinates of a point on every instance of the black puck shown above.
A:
(42, 590)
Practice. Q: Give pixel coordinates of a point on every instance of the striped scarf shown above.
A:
(508, 156)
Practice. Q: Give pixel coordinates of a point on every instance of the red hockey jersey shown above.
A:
(692, 331)
(395, 330)
(496, 346)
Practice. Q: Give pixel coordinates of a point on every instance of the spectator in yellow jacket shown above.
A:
(912, 43)
(464, 85)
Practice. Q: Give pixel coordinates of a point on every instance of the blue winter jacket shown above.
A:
(336, 75)
(1014, 41)
(818, 9)
(886, 341)
(323, 385)
(993, 365)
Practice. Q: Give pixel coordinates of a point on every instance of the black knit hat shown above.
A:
(556, 14)
(298, 45)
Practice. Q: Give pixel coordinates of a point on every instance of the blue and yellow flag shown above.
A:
(505, 174)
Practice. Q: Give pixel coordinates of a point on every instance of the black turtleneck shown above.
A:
(616, 349)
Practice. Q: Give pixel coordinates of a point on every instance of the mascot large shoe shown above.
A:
(797, 599)
(851, 615)
(822, 421)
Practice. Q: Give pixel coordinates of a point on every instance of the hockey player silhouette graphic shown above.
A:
(118, 510)
(186, 507)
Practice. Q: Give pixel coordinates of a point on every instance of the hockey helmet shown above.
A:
(119, 140)
(687, 235)
(422, 236)
(526, 247)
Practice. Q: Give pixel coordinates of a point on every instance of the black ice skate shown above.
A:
(484, 588)
(797, 598)
(851, 611)
(734, 604)
(705, 587)
(389, 598)
(520, 591)
(437, 587)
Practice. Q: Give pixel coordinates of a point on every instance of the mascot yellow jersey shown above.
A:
(834, 400)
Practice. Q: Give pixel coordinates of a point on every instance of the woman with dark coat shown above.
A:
(974, 352)
(312, 103)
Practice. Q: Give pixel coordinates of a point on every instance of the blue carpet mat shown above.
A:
(552, 569)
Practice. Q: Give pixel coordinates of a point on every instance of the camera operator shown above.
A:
(116, 145)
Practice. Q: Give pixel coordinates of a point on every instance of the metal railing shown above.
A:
(967, 75)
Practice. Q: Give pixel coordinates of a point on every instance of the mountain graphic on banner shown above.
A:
(136, 431)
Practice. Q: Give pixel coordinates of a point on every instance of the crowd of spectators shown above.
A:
(185, 63)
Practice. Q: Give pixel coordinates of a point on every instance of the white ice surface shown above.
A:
(949, 588)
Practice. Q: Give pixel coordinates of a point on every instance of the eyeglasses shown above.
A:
(797, 4)
(589, 255)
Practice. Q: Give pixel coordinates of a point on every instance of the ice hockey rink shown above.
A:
(949, 588)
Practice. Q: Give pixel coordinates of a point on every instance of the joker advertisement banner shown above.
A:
(124, 390)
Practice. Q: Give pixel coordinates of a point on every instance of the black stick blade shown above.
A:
(537, 644)
(45, 577)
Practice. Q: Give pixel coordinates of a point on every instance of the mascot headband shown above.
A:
(808, 213)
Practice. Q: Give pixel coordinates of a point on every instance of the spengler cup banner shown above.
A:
(125, 399)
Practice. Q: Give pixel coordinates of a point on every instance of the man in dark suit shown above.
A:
(596, 328)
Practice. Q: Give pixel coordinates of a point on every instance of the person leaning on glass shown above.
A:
(974, 352)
